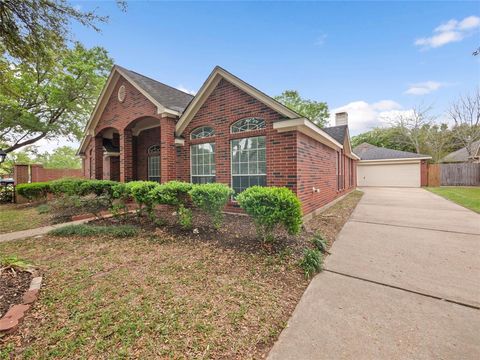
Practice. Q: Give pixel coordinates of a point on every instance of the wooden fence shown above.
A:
(461, 174)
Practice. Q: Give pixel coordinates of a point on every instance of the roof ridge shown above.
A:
(150, 78)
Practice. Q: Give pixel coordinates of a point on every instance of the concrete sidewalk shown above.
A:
(17, 235)
(403, 282)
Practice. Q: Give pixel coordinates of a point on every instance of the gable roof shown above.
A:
(368, 151)
(164, 97)
(461, 155)
(164, 94)
(337, 132)
(210, 84)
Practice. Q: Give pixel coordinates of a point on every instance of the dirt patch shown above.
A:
(12, 288)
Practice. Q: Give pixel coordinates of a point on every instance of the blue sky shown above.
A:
(368, 58)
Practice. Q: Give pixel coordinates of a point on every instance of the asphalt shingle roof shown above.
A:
(370, 152)
(337, 132)
(461, 155)
(166, 95)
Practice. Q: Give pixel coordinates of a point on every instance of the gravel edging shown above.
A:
(14, 316)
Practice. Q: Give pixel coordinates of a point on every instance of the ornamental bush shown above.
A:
(312, 262)
(140, 191)
(271, 206)
(97, 187)
(34, 191)
(173, 193)
(69, 186)
(211, 198)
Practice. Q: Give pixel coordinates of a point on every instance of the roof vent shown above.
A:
(341, 118)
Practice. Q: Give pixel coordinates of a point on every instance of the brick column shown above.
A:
(98, 158)
(126, 156)
(168, 152)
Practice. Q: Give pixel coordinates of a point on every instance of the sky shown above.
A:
(371, 59)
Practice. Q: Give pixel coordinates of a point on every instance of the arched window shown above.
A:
(248, 124)
(153, 164)
(202, 132)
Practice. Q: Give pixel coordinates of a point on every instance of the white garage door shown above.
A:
(399, 175)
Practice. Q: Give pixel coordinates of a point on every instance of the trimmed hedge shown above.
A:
(34, 191)
(97, 187)
(67, 186)
(272, 206)
(173, 193)
(211, 198)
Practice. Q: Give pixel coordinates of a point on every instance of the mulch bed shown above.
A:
(12, 288)
(238, 231)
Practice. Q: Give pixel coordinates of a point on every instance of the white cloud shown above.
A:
(424, 88)
(363, 116)
(184, 89)
(449, 32)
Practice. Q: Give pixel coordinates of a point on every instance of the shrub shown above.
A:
(65, 206)
(97, 187)
(211, 198)
(34, 191)
(271, 206)
(185, 217)
(118, 231)
(311, 262)
(68, 186)
(320, 243)
(173, 193)
(121, 196)
(140, 191)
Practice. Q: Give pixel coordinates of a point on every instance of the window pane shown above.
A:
(248, 165)
(202, 132)
(203, 163)
(248, 124)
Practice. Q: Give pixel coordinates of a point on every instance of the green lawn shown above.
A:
(20, 217)
(468, 197)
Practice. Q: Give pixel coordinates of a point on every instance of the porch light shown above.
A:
(3, 155)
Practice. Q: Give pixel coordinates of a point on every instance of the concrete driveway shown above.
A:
(403, 282)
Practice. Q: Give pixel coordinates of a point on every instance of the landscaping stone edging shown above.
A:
(10, 321)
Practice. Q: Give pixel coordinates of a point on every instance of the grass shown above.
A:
(468, 197)
(106, 297)
(20, 217)
(117, 231)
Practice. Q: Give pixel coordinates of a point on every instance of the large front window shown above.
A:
(203, 163)
(249, 165)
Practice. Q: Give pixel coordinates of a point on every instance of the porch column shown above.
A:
(126, 156)
(98, 157)
(168, 154)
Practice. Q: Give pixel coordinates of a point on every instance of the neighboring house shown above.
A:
(229, 133)
(386, 167)
(462, 155)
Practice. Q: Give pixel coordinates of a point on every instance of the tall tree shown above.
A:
(465, 112)
(63, 157)
(51, 96)
(315, 111)
(438, 141)
(387, 137)
(28, 27)
(411, 125)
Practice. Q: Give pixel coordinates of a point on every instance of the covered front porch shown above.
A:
(143, 150)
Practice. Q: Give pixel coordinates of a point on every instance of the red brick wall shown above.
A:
(224, 106)
(423, 173)
(38, 173)
(316, 168)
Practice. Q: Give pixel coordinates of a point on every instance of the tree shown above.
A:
(30, 27)
(63, 157)
(52, 96)
(438, 141)
(411, 125)
(315, 111)
(25, 156)
(465, 112)
(388, 137)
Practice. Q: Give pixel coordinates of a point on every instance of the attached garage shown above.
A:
(389, 168)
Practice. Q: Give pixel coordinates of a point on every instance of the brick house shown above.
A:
(229, 132)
